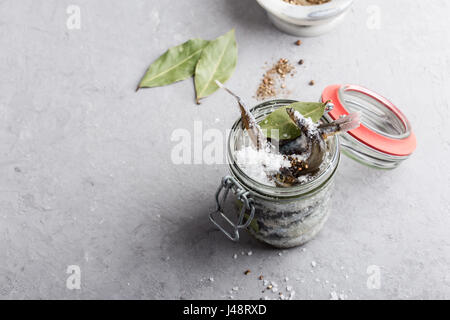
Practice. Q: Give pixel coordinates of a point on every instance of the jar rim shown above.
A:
(266, 191)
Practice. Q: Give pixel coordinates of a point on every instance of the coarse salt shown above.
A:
(261, 164)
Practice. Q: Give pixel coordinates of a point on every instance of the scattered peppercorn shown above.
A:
(311, 83)
(261, 277)
(247, 272)
(301, 62)
(298, 42)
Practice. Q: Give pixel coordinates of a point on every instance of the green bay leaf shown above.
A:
(176, 64)
(279, 119)
(217, 62)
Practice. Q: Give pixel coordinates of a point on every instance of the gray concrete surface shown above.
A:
(87, 178)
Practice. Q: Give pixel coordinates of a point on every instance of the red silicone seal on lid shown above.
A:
(401, 144)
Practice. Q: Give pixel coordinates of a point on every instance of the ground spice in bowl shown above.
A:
(306, 2)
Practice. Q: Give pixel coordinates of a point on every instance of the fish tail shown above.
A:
(341, 125)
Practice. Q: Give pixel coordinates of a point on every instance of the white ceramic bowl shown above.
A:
(305, 21)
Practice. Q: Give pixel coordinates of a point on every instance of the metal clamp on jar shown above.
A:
(229, 183)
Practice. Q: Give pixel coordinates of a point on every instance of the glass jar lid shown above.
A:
(385, 137)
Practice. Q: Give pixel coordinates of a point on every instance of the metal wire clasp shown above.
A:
(243, 196)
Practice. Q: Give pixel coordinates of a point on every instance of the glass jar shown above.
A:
(281, 217)
(288, 217)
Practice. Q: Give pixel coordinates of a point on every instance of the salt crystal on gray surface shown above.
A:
(274, 289)
(265, 283)
(235, 288)
(280, 254)
(313, 264)
(250, 253)
(235, 256)
(289, 288)
(286, 279)
(211, 279)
